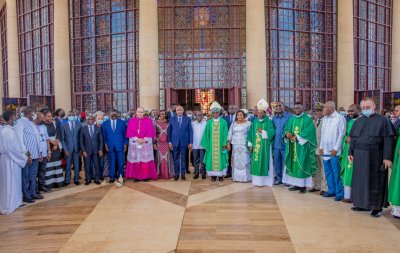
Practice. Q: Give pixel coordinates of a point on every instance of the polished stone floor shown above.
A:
(193, 216)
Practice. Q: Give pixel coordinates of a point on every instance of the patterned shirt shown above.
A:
(28, 137)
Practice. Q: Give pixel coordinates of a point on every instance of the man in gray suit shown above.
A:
(70, 144)
(91, 143)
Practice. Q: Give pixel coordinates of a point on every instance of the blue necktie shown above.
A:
(179, 121)
(113, 125)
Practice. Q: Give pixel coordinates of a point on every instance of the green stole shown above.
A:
(394, 184)
(346, 167)
(260, 157)
(300, 159)
(214, 139)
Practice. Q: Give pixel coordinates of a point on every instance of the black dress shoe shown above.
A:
(183, 178)
(102, 178)
(28, 200)
(278, 183)
(303, 190)
(77, 183)
(322, 193)
(314, 190)
(38, 196)
(44, 189)
(111, 181)
(221, 179)
(294, 188)
(87, 182)
(376, 213)
(228, 176)
(203, 177)
(97, 182)
(66, 184)
(176, 178)
(196, 177)
(359, 209)
(187, 171)
(213, 179)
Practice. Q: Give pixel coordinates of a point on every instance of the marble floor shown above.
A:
(193, 216)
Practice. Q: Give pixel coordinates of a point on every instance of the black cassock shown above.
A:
(372, 141)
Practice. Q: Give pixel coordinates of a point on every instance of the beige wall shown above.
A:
(256, 61)
(345, 60)
(396, 46)
(62, 77)
(149, 87)
(12, 48)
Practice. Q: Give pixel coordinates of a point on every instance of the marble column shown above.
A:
(14, 89)
(396, 47)
(256, 62)
(345, 55)
(149, 87)
(62, 76)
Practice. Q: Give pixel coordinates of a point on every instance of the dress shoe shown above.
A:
(87, 182)
(278, 183)
(221, 179)
(136, 180)
(328, 195)
(228, 176)
(196, 177)
(339, 198)
(44, 189)
(28, 200)
(287, 186)
(112, 180)
(77, 183)
(322, 193)
(313, 190)
(176, 178)
(183, 178)
(38, 196)
(303, 190)
(187, 171)
(213, 179)
(146, 180)
(347, 201)
(102, 178)
(97, 182)
(359, 209)
(203, 177)
(376, 213)
(294, 188)
(66, 184)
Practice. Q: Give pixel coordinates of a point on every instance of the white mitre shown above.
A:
(215, 106)
(262, 105)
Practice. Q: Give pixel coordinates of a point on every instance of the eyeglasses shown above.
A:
(350, 110)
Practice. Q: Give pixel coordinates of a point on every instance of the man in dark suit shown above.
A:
(397, 117)
(172, 112)
(91, 143)
(230, 119)
(70, 144)
(180, 139)
(116, 143)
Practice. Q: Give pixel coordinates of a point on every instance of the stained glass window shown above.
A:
(4, 57)
(201, 44)
(372, 44)
(301, 50)
(104, 50)
(35, 28)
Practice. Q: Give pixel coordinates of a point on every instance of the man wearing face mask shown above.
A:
(70, 143)
(12, 160)
(371, 151)
(59, 116)
(28, 137)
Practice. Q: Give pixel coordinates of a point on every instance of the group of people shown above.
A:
(343, 155)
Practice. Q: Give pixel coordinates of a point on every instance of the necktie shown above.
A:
(113, 125)
(179, 121)
(319, 121)
(91, 131)
(231, 119)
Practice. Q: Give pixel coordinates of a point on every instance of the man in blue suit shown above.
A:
(70, 144)
(230, 119)
(180, 139)
(115, 143)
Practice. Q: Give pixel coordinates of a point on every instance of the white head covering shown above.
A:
(215, 107)
(245, 111)
(262, 105)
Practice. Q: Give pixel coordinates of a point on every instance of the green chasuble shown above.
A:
(300, 159)
(214, 138)
(394, 184)
(346, 167)
(260, 157)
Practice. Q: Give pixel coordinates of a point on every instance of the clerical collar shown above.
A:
(217, 119)
(261, 120)
(298, 116)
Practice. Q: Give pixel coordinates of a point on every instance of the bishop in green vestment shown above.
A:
(214, 141)
(260, 139)
(300, 163)
(346, 166)
(394, 183)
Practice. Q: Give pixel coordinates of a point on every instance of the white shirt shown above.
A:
(43, 137)
(198, 131)
(332, 132)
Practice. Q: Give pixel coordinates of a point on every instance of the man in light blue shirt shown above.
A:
(199, 125)
(280, 118)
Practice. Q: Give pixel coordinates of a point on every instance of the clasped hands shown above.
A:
(291, 137)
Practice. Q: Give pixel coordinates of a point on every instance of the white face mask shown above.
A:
(34, 116)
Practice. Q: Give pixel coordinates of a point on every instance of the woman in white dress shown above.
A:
(237, 140)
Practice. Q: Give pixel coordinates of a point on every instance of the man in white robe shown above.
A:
(12, 159)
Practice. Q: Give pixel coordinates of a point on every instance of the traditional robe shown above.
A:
(12, 159)
(394, 185)
(300, 163)
(372, 141)
(262, 169)
(346, 167)
(214, 141)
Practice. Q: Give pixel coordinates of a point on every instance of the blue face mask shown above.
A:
(343, 113)
(367, 113)
(71, 118)
(100, 122)
(106, 118)
(251, 115)
(76, 118)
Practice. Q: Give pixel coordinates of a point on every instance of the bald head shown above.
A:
(329, 108)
